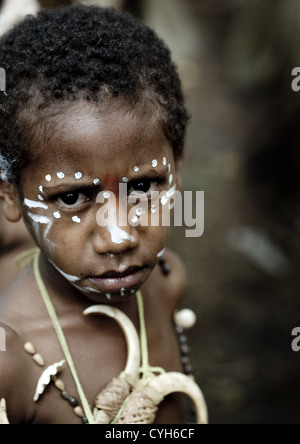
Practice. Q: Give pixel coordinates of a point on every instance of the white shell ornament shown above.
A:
(46, 378)
(185, 318)
(3, 414)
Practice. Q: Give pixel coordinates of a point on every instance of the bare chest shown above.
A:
(100, 353)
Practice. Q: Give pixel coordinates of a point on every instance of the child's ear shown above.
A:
(9, 202)
(178, 172)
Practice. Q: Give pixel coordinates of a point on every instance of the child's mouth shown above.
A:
(115, 282)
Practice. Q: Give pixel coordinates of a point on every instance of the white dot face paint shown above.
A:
(48, 178)
(40, 197)
(78, 175)
(41, 189)
(118, 236)
(171, 179)
(134, 220)
(136, 169)
(125, 180)
(76, 219)
(60, 175)
(165, 161)
(96, 182)
(154, 163)
(140, 212)
(34, 204)
(154, 209)
(108, 296)
(57, 215)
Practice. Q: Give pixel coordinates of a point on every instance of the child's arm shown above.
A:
(14, 377)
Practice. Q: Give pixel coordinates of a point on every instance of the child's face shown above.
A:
(80, 154)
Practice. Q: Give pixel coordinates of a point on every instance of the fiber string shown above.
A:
(61, 338)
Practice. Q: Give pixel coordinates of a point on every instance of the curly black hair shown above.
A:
(86, 52)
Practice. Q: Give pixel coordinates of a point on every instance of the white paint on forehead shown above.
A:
(154, 163)
(78, 175)
(118, 236)
(48, 178)
(136, 169)
(60, 175)
(96, 181)
(76, 219)
(34, 204)
(57, 215)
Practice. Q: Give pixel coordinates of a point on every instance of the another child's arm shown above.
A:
(15, 377)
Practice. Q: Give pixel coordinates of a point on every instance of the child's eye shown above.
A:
(142, 186)
(72, 199)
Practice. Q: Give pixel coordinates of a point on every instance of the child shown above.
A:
(93, 101)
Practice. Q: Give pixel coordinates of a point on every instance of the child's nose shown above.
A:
(113, 234)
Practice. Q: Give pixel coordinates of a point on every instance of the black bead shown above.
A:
(184, 349)
(179, 330)
(184, 360)
(182, 339)
(65, 395)
(85, 420)
(188, 369)
(73, 401)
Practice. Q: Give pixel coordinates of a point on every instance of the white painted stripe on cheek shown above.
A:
(33, 204)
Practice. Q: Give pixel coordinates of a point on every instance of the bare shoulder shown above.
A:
(177, 279)
(14, 368)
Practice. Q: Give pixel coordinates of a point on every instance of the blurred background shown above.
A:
(243, 150)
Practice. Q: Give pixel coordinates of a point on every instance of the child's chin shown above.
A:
(107, 298)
